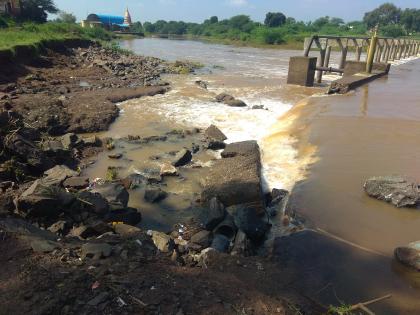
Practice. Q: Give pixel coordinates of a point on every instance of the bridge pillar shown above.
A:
(327, 57)
(302, 70)
(320, 63)
(358, 53)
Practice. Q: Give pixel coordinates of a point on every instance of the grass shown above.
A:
(35, 34)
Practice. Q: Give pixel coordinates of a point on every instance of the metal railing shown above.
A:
(387, 49)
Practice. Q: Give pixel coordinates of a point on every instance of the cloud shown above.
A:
(238, 3)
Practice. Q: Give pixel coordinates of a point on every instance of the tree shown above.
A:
(214, 20)
(239, 21)
(384, 15)
(149, 27)
(392, 30)
(336, 21)
(136, 27)
(410, 18)
(37, 10)
(320, 22)
(274, 19)
(65, 17)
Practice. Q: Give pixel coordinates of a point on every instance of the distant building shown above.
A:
(109, 22)
(10, 7)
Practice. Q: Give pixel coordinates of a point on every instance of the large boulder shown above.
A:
(44, 201)
(154, 194)
(27, 151)
(182, 158)
(229, 100)
(214, 133)
(215, 138)
(162, 241)
(128, 216)
(248, 221)
(93, 201)
(409, 255)
(58, 174)
(211, 215)
(115, 193)
(235, 179)
(399, 191)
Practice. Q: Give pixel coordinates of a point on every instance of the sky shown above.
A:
(199, 10)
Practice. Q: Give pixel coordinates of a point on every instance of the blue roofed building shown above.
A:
(109, 22)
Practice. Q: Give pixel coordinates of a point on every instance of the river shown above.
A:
(320, 147)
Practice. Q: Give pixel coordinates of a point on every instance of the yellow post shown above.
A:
(372, 50)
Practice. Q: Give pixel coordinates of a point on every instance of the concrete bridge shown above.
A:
(305, 70)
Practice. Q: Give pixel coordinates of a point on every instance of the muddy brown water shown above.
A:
(320, 147)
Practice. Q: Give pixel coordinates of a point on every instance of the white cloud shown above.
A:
(238, 3)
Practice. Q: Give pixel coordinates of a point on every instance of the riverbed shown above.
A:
(320, 147)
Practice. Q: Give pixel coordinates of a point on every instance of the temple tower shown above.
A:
(127, 17)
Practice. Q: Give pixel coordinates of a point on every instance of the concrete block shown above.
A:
(302, 70)
(353, 67)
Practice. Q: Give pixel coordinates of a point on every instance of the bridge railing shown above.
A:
(388, 49)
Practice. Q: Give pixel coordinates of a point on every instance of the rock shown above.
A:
(128, 216)
(168, 170)
(399, 191)
(162, 241)
(182, 158)
(220, 243)
(236, 179)
(258, 107)
(213, 214)
(40, 200)
(235, 103)
(100, 298)
(54, 147)
(223, 97)
(6, 204)
(95, 201)
(58, 174)
(202, 84)
(229, 100)
(116, 156)
(215, 138)
(202, 238)
(247, 220)
(27, 151)
(244, 148)
(92, 142)
(227, 227)
(126, 230)
(277, 195)
(21, 227)
(153, 195)
(242, 245)
(60, 227)
(96, 250)
(114, 193)
(78, 182)
(148, 176)
(43, 246)
(87, 231)
(70, 141)
(409, 255)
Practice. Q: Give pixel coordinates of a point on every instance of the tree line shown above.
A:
(278, 28)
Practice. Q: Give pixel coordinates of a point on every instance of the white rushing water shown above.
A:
(256, 76)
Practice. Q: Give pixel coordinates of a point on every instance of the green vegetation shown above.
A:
(34, 34)
(280, 30)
